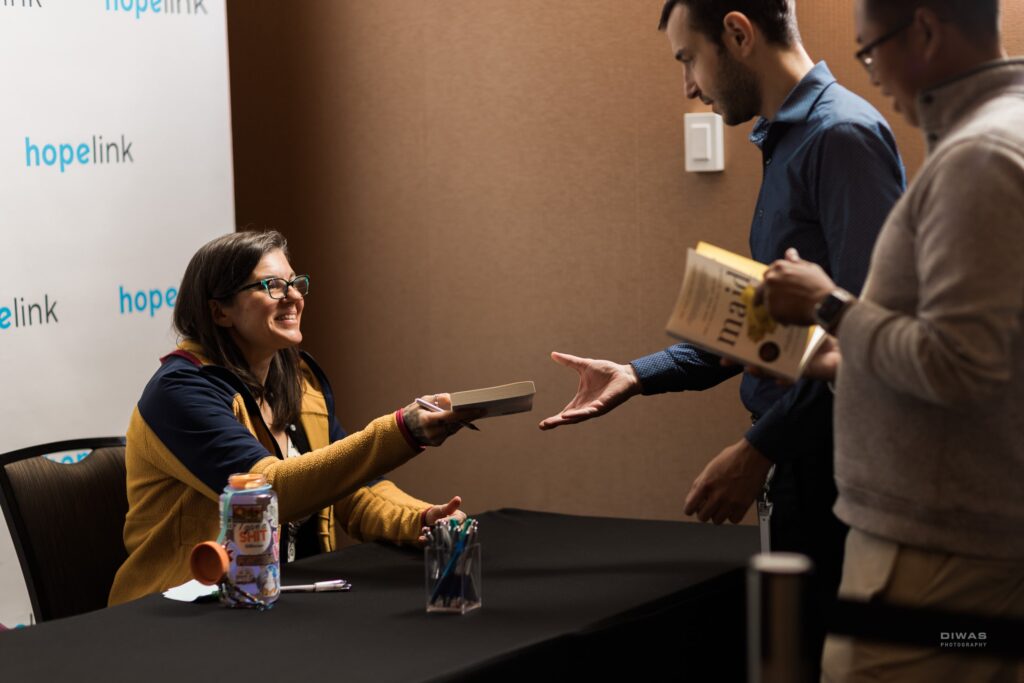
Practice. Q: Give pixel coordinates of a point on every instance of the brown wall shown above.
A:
(473, 184)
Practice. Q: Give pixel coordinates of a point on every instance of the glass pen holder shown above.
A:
(453, 578)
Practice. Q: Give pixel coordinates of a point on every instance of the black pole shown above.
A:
(777, 594)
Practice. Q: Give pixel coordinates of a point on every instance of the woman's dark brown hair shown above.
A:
(216, 272)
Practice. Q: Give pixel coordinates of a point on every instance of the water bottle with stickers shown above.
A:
(251, 536)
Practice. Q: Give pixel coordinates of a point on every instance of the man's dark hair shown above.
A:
(976, 18)
(775, 18)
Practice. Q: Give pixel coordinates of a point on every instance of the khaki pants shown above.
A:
(875, 568)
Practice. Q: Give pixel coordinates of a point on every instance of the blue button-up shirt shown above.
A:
(832, 173)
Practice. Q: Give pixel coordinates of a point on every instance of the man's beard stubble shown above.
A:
(739, 91)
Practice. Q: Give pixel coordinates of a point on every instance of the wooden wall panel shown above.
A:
(474, 183)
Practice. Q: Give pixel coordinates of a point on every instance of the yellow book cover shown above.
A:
(715, 311)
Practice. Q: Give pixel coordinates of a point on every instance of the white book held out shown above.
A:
(715, 311)
(501, 400)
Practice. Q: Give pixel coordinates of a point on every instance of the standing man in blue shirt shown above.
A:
(831, 175)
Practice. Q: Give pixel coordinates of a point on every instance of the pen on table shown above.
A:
(438, 409)
(318, 587)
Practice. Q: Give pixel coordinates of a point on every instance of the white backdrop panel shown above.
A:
(88, 224)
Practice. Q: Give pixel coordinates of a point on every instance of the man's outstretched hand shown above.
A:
(603, 386)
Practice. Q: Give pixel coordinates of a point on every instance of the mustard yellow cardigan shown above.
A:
(197, 423)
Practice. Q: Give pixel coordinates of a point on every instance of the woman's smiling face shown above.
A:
(261, 325)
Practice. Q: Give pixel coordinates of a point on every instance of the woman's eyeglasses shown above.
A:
(277, 287)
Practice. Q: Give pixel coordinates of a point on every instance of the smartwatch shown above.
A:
(829, 310)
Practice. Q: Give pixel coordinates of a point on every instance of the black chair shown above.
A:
(66, 521)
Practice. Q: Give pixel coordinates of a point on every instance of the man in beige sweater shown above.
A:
(929, 363)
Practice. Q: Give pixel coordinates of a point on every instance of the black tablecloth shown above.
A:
(563, 597)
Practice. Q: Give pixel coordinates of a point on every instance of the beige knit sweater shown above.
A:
(929, 404)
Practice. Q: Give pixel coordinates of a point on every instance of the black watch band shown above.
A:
(829, 310)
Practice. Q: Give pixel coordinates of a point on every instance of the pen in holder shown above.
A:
(452, 563)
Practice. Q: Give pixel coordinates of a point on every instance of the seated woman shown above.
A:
(237, 396)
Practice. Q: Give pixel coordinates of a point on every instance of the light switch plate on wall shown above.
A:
(705, 145)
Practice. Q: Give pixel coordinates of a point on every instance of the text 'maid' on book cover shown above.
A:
(715, 311)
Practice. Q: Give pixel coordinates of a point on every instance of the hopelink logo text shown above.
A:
(21, 314)
(95, 152)
(151, 300)
(141, 8)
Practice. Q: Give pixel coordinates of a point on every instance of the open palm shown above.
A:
(603, 386)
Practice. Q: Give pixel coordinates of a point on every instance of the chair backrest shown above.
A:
(67, 522)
